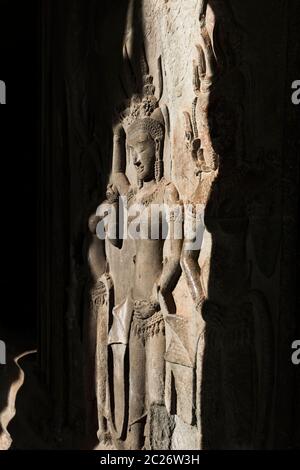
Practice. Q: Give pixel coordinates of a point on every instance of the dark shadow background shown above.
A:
(19, 120)
(249, 390)
(251, 313)
(19, 131)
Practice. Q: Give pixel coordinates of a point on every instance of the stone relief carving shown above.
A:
(101, 295)
(153, 381)
(98, 315)
(238, 326)
(131, 341)
(218, 344)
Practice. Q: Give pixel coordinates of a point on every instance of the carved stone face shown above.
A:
(142, 147)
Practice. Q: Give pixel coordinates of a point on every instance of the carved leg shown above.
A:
(101, 373)
(119, 400)
(158, 430)
(155, 368)
(137, 411)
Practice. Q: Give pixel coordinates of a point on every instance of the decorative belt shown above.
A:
(147, 319)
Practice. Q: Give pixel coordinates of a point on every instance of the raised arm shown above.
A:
(119, 177)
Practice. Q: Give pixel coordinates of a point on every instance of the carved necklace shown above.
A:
(150, 198)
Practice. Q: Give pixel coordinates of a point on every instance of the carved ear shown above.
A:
(157, 146)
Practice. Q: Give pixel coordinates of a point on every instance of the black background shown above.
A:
(19, 121)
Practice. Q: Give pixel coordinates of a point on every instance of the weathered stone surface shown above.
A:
(168, 346)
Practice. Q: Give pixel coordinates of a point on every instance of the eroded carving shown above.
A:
(235, 314)
(136, 338)
(148, 355)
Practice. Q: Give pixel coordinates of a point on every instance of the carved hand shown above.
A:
(119, 177)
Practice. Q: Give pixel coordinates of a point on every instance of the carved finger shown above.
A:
(193, 143)
(189, 134)
(194, 118)
(201, 62)
(196, 78)
(160, 79)
(210, 60)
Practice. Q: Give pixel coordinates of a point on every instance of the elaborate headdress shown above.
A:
(144, 113)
